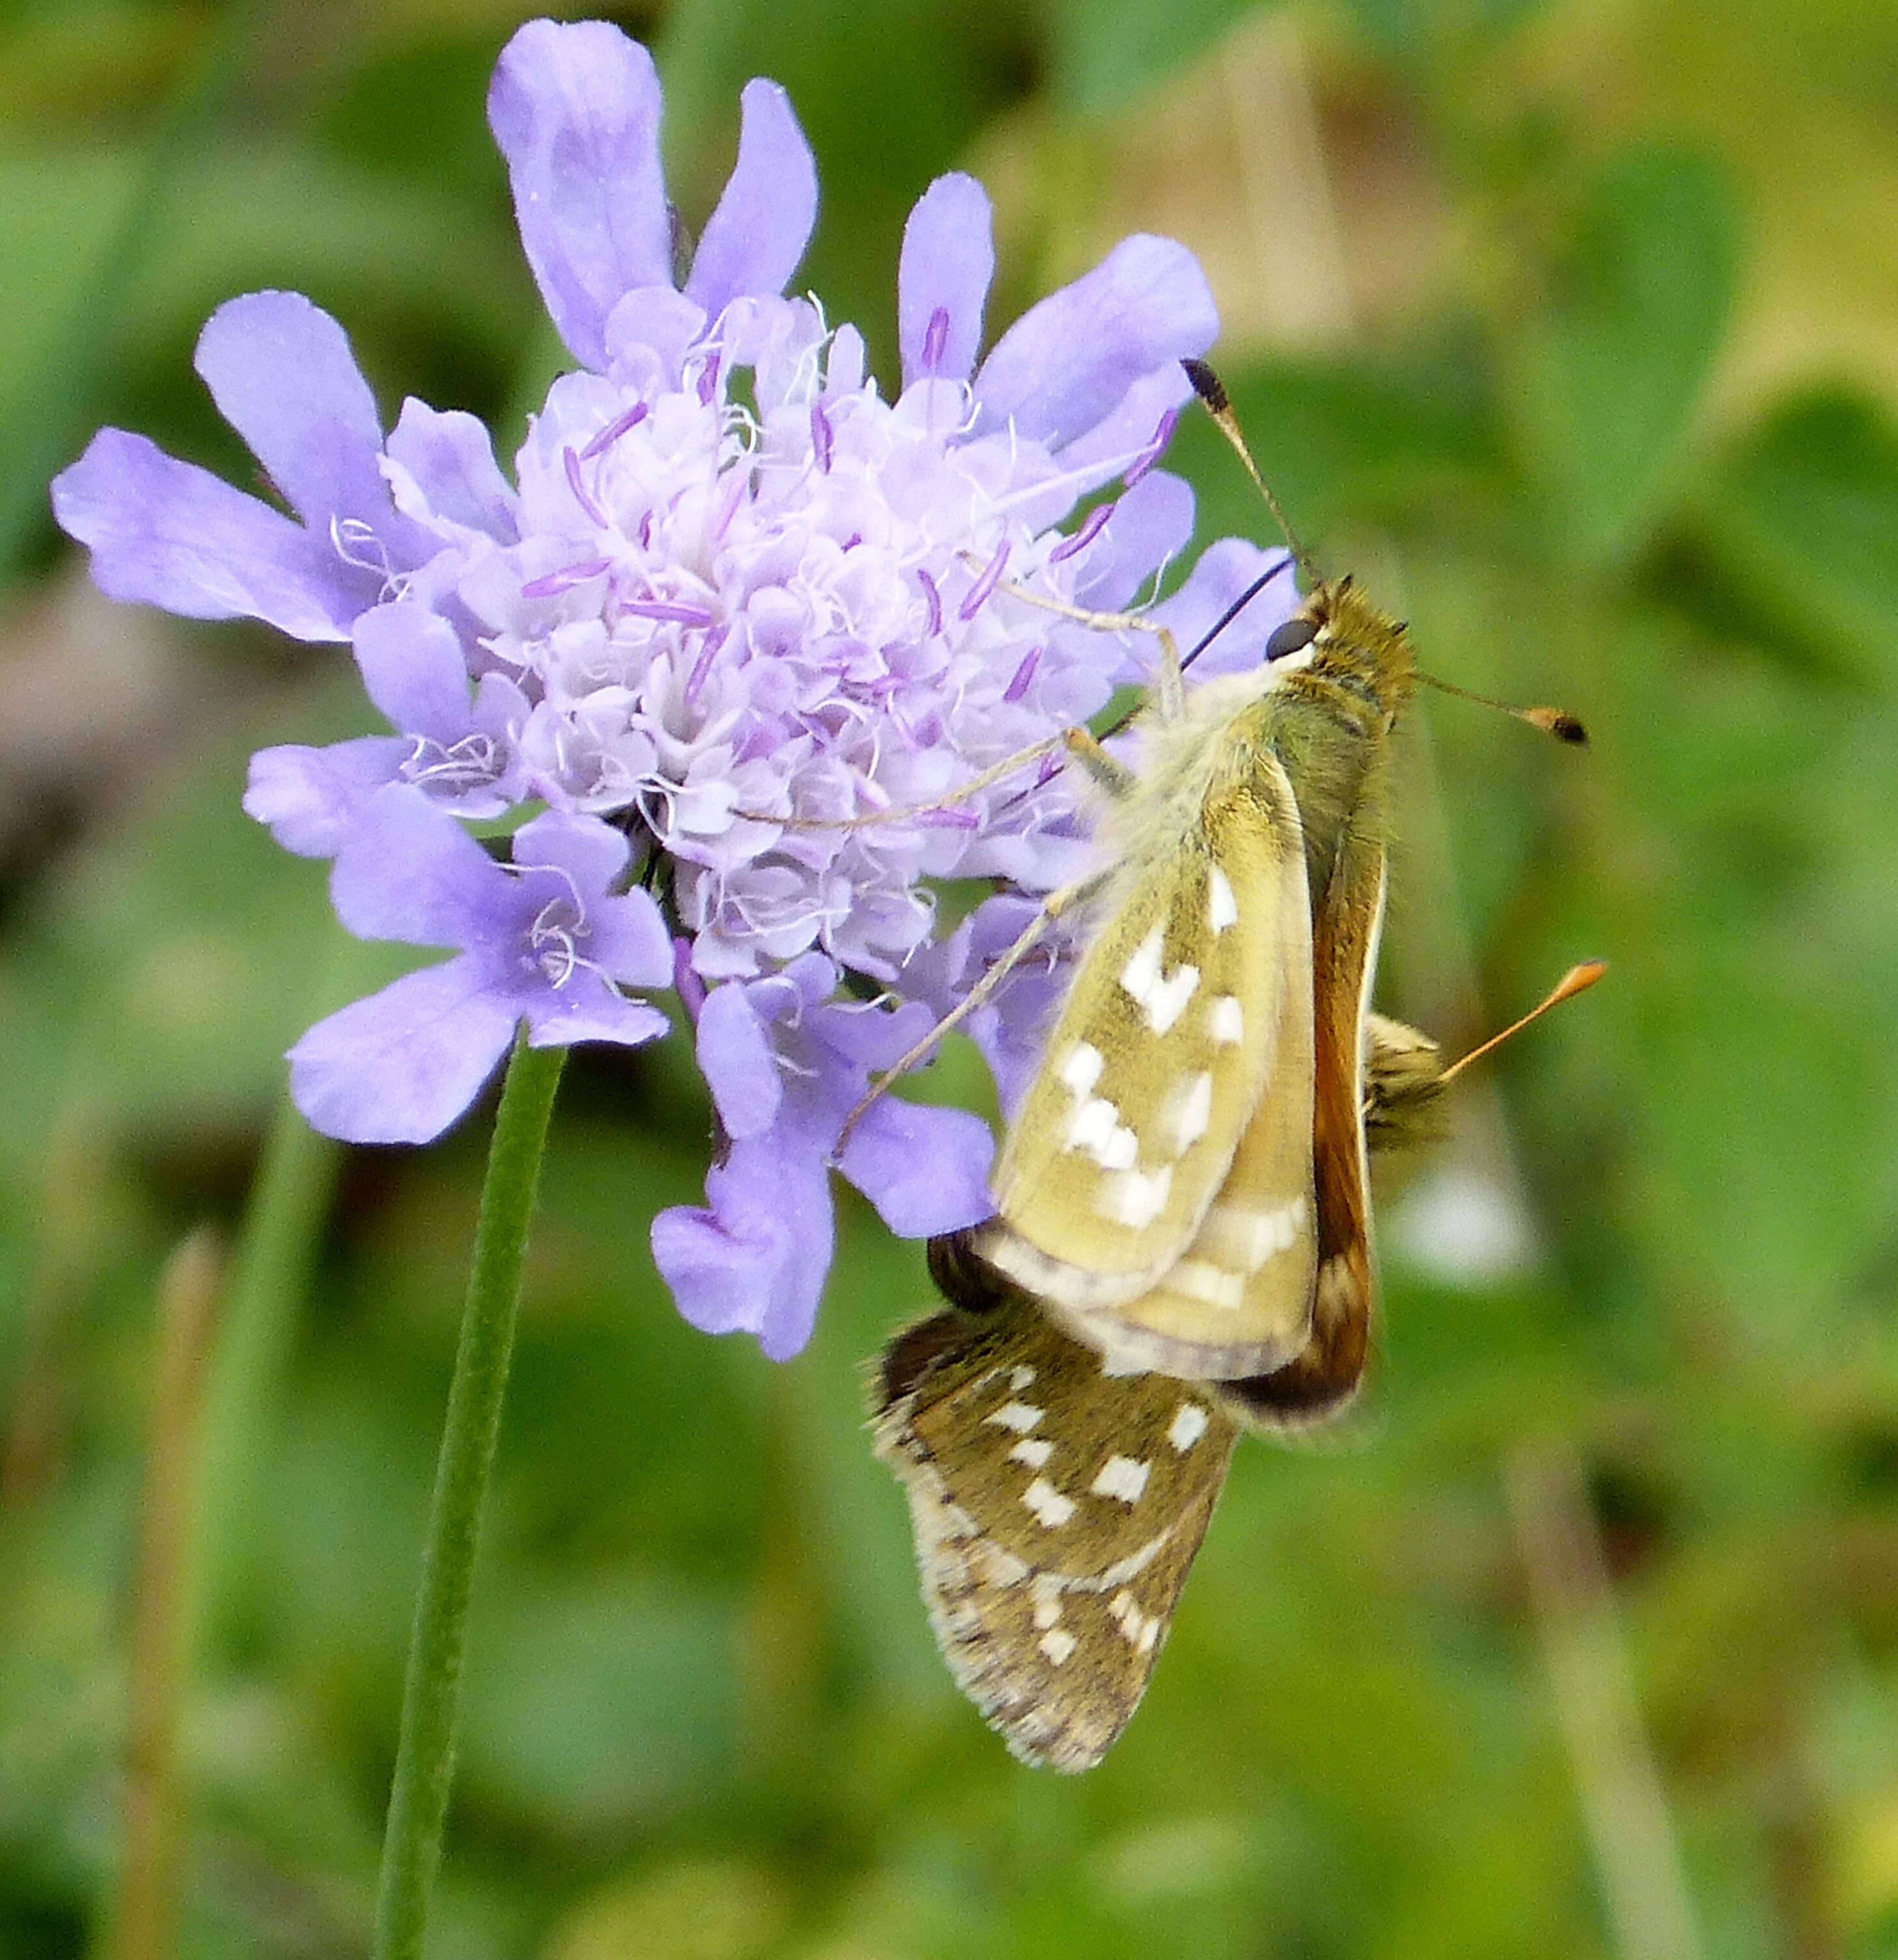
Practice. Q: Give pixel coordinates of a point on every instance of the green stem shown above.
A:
(425, 1755)
(290, 1198)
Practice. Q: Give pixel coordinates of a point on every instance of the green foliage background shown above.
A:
(1600, 390)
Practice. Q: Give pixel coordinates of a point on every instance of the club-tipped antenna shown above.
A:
(1555, 721)
(1577, 980)
(1233, 611)
(1218, 403)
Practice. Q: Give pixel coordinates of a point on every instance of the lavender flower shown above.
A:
(544, 939)
(733, 598)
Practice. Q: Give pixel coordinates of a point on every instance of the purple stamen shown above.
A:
(935, 340)
(581, 495)
(1050, 769)
(1024, 674)
(671, 610)
(978, 592)
(955, 817)
(702, 665)
(614, 430)
(934, 598)
(1151, 454)
(821, 437)
(551, 584)
(1096, 520)
(851, 542)
(708, 381)
(645, 532)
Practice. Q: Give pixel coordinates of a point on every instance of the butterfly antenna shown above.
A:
(1577, 980)
(1218, 403)
(1555, 721)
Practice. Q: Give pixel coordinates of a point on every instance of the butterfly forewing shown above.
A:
(1156, 1192)
(1057, 1511)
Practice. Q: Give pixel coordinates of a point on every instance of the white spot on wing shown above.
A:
(1045, 1592)
(1260, 1234)
(1222, 908)
(1190, 1111)
(1142, 973)
(1189, 1422)
(1168, 1000)
(1081, 1070)
(1163, 997)
(1097, 1128)
(1020, 1416)
(1020, 1378)
(1032, 1450)
(1136, 1199)
(1199, 1279)
(1121, 1477)
(1226, 1019)
(1058, 1643)
(1050, 1507)
(1135, 1562)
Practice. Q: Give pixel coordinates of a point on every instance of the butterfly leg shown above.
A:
(1113, 776)
(1052, 907)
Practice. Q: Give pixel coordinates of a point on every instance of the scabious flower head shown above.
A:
(734, 602)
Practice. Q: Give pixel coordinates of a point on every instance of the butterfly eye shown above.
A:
(1290, 637)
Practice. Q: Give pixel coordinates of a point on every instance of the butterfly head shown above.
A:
(1338, 635)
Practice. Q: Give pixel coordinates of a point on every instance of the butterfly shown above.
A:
(1181, 1245)
(1057, 1506)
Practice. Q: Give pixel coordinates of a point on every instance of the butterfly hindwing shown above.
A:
(1057, 1511)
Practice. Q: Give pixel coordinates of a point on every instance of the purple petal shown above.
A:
(756, 1261)
(167, 533)
(282, 373)
(1131, 426)
(1150, 524)
(948, 260)
(591, 853)
(448, 458)
(414, 670)
(869, 1037)
(738, 1062)
(310, 797)
(753, 242)
(595, 1013)
(575, 110)
(655, 317)
(408, 871)
(1068, 361)
(399, 1067)
(627, 940)
(925, 1169)
(1224, 572)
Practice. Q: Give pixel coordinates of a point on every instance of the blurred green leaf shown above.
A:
(1421, 32)
(1801, 517)
(592, 1703)
(1607, 381)
(1106, 52)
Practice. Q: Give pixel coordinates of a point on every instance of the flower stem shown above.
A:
(425, 1754)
